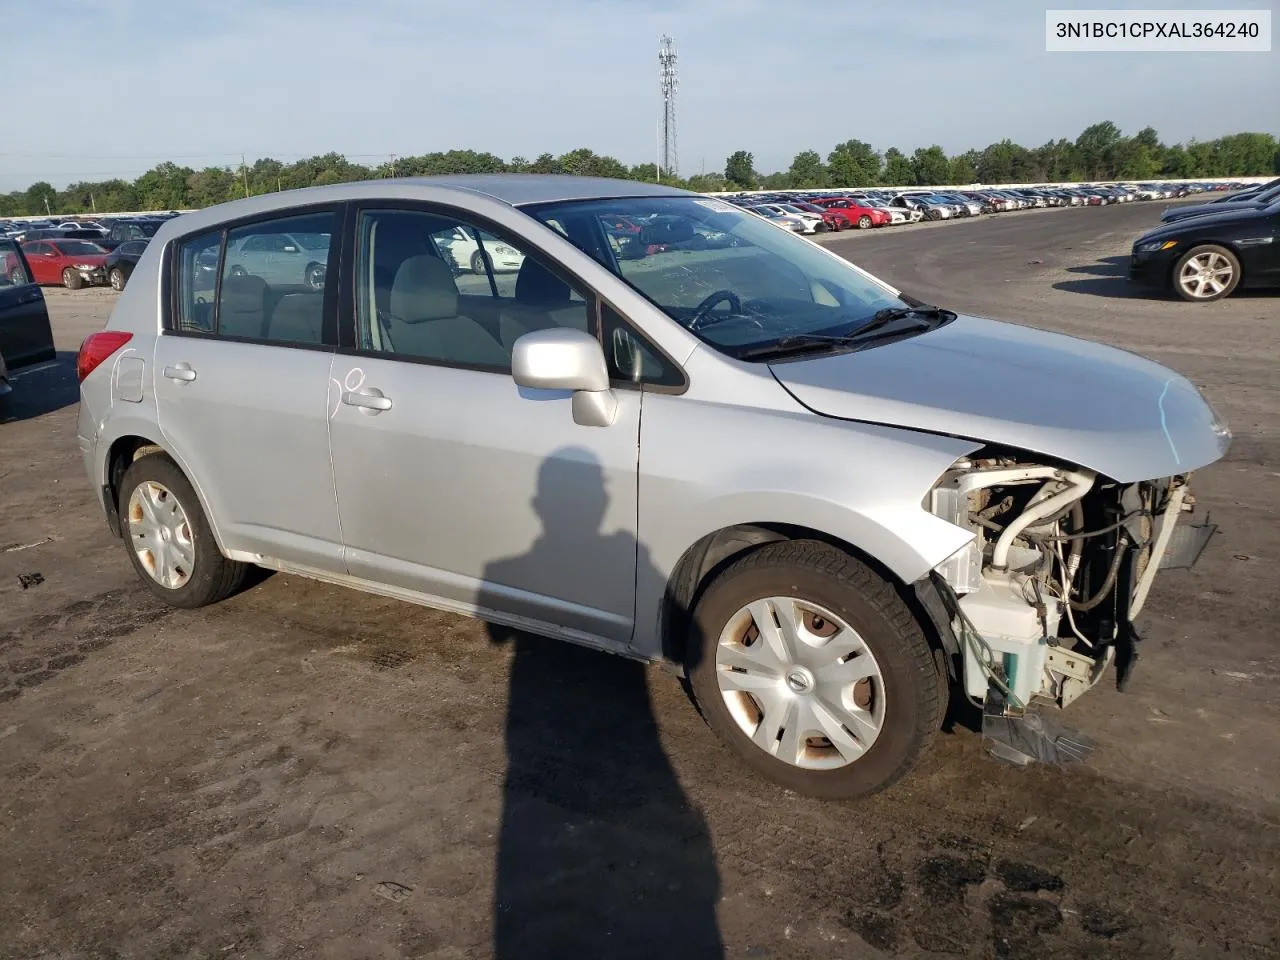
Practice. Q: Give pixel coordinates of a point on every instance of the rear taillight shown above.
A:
(96, 348)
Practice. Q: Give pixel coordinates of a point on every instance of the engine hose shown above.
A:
(1077, 547)
(1083, 606)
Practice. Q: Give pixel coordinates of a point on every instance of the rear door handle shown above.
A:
(370, 402)
(180, 372)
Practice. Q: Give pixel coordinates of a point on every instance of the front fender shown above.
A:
(705, 467)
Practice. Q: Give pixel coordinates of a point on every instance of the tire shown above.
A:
(237, 270)
(16, 277)
(314, 276)
(864, 222)
(477, 262)
(72, 280)
(117, 279)
(211, 576)
(1212, 269)
(907, 689)
(934, 215)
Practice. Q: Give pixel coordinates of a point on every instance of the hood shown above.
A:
(95, 259)
(1073, 400)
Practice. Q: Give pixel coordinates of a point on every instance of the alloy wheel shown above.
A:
(1205, 275)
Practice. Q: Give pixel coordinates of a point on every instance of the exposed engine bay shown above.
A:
(1044, 596)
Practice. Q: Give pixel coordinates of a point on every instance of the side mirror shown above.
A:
(290, 248)
(563, 358)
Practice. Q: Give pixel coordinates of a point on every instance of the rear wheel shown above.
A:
(864, 222)
(71, 279)
(814, 672)
(1204, 273)
(169, 539)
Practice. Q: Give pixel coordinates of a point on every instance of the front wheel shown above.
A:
(1205, 273)
(71, 279)
(314, 276)
(477, 262)
(864, 222)
(117, 279)
(169, 540)
(813, 671)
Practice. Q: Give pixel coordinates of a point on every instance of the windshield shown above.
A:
(78, 248)
(737, 283)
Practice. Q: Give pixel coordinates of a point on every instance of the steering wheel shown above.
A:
(699, 318)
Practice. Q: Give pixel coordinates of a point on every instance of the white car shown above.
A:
(779, 217)
(810, 222)
(279, 258)
(462, 246)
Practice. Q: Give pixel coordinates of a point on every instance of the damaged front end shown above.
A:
(1042, 599)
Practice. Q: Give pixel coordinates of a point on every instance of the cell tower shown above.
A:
(668, 77)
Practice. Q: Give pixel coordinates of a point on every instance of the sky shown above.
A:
(109, 88)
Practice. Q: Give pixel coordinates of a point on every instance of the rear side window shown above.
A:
(273, 279)
(262, 281)
(197, 264)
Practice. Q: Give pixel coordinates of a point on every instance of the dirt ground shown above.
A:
(303, 771)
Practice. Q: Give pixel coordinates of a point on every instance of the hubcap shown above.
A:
(800, 683)
(161, 535)
(1205, 274)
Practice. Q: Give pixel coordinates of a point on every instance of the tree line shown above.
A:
(1100, 152)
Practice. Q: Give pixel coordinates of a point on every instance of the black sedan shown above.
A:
(121, 261)
(1208, 258)
(1256, 197)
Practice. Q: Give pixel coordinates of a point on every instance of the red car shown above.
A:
(856, 214)
(71, 263)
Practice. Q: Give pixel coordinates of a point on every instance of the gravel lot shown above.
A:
(304, 771)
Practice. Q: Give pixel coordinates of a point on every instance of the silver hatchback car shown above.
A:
(822, 501)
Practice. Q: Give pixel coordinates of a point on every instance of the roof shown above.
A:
(513, 189)
(519, 189)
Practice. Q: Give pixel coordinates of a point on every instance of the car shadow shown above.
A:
(1103, 267)
(41, 388)
(600, 854)
(1106, 277)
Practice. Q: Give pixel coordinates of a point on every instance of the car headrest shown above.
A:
(423, 290)
(536, 284)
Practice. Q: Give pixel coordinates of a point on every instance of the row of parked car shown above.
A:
(818, 211)
(81, 252)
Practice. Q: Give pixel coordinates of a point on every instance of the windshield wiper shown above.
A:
(886, 316)
(794, 343)
(805, 342)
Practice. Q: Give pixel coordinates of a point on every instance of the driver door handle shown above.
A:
(371, 402)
